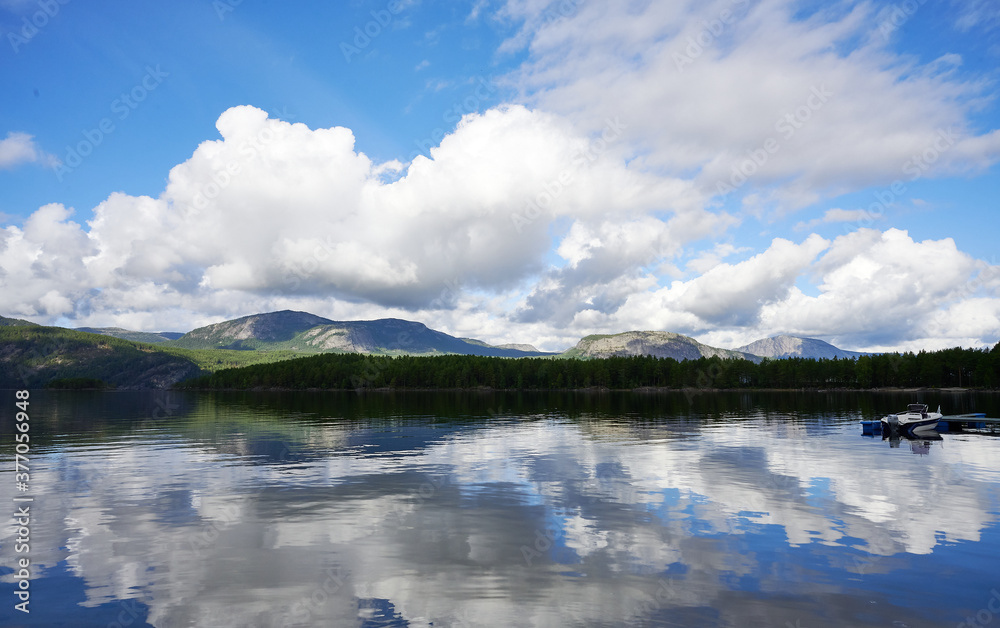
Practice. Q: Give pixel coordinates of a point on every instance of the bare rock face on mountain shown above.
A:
(271, 327)
(338, 338)
(796, 347)
(661, 344)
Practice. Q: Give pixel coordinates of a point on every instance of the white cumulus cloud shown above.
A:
(20, 148)
(755, 96)
(274, 211)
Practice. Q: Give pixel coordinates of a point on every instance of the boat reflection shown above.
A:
(919, 445)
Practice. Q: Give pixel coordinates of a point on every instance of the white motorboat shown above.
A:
(915, 419)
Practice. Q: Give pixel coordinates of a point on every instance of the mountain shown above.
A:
(393, 336)
(251, 332)
(135, 336)
(308, 333)
(661, 344)
(793, 346)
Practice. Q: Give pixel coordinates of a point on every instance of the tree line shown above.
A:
(968, 368)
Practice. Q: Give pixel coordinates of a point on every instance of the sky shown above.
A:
(510, 170)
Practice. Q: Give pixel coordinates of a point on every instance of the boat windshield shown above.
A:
(917, 407)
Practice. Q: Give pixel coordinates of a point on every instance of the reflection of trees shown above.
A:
(96, 416)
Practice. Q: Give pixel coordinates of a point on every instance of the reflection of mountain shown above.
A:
(547, 520)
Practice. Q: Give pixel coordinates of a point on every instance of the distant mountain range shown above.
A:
(38, 354)
(307, 333)
(135, 336)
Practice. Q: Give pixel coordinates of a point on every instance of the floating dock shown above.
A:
(973, 421)
(954, 423)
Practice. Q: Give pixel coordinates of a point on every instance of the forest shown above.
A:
(965, 368)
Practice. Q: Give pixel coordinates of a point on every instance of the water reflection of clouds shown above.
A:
(624, 524)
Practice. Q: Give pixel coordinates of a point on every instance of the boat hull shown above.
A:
(907, 425)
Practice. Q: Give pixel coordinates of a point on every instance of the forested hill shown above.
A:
(948, 368)
(15, 322)
(36, 356)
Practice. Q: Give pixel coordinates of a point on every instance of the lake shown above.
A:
(500, 509)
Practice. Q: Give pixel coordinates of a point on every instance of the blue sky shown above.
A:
(218, 56)
(580, 194)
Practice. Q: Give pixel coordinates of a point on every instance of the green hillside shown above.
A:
(33, 356)
(14, 322)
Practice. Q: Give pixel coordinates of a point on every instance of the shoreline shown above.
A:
(596, 390)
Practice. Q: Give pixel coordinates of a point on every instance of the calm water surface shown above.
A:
(176, 509)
